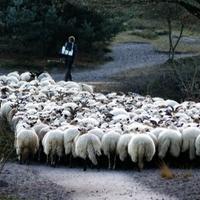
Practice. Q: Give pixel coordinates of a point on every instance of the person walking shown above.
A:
(71, 49)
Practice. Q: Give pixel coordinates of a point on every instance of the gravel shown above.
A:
(37, 182)
(23, 182)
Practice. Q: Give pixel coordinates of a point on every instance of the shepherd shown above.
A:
(70, 51)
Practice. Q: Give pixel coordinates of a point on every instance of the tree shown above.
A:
(169, 13)
(41, 27)
(192, 6)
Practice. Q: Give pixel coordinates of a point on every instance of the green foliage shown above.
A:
(42, 27)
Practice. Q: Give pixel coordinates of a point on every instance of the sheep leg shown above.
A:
(52, 159)
(114, 164)
(39, 153)
(140, 165)
(55, 159)
(28, 159)
(47, 160)
(84, 165)
(20, 159)
(109, 161)
(192, 151)
(98, 166)
(70, 160)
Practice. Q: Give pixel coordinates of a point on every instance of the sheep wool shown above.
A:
(88, 145)
(170, 141)
(141, 147)
(122, 146)
(69, 136)
(53, 145)
(189, 136)
(26, 144)
(109, 146)
(197, 146)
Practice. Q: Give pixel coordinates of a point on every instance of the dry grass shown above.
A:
(165, 171)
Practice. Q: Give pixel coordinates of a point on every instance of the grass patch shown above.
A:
(179, 81)
(7, 198)
(7, 150)
(147, 34)
(156, 32)
(159, 40)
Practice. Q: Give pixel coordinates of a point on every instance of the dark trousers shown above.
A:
(68, 66)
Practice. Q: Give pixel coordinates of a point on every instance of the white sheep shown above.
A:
(26, 144)
(122, 146)
(41, 130)
(88, 146)
(53, 146)
(27, 76)
(69, 136)
(141, 147)
(98, 132)
(6, 108)
(189, 136)
(14, 74)
(197, 145)
(109, 146)
(85, 87)
(170, 141)
(157, 131)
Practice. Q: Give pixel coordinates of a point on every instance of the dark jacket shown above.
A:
(68, 46)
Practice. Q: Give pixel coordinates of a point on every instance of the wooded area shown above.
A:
(41, 27)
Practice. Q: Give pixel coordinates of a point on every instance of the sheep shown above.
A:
(69, 136)
(26, 144)
(141, 147)
(53, 145)
(122, 146)
(85, 87)
(11, 120)
(97, 131)
(14, 74)
(197, 145)
(6, 108)
(44, 76)
(27, 76)
(169, 140)
(157, 131)
(189, 136)
(109, 146)
(41, 130)
(88, 145)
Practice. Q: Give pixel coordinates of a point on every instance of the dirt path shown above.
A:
(37, 182)
(120, 185)
(125, 56)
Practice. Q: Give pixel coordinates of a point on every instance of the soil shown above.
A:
(43, 182)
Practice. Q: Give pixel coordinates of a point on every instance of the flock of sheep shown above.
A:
(68, 119)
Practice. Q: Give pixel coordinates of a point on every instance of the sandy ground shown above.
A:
(42, 182)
